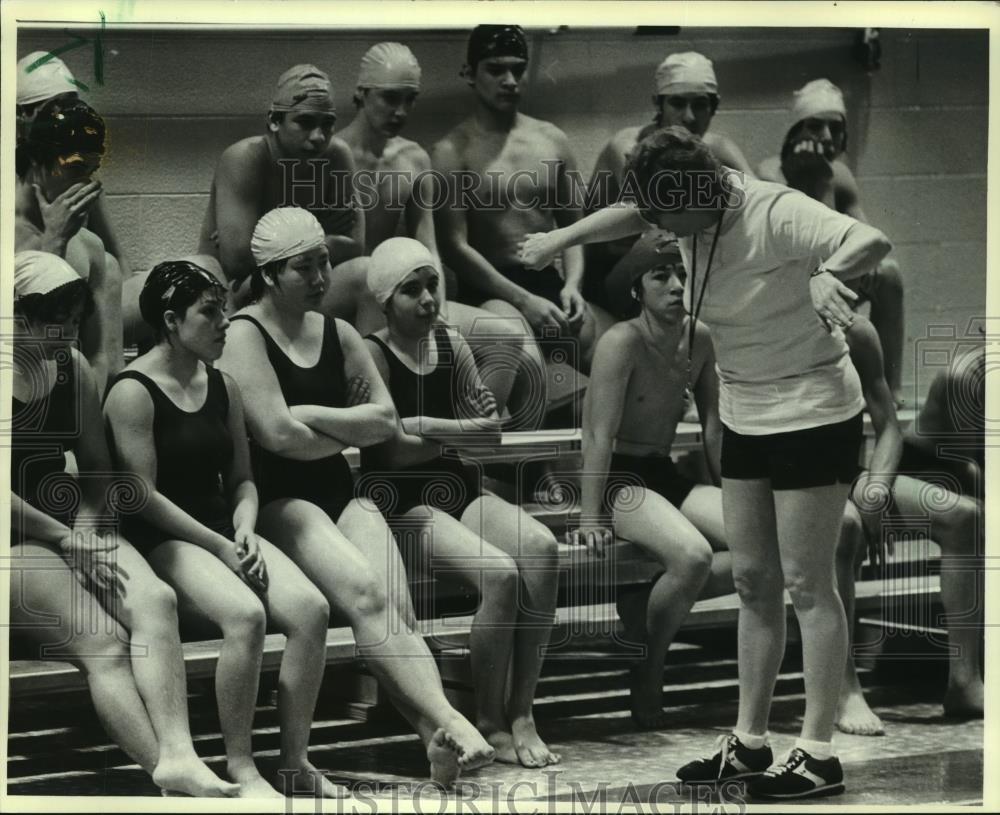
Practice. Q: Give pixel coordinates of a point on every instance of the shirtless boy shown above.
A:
(686, 93)
(395, 188)
(633, 404)
(298, 162)
(819, 114)
(55, 169)
(509, 175)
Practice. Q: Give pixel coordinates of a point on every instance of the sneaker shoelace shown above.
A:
(725, 743)
(792, 760)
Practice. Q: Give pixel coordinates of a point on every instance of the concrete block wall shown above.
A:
(917, 129)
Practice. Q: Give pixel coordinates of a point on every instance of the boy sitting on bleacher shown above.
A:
(630, 486)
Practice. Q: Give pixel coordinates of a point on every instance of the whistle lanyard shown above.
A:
(696, 309)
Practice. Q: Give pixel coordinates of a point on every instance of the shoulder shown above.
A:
(770, 169)
(82, 371)
(245, 325)
(346, 332)
(625, 138)
(541, 129)
(244, 337)
(702, 336)
(232, 388)
(339, 150)
(621, 339)
(248, 152)
(455, 338)
(447, 150)
(129, 399)
(92, 243)
(410, 150)
(26, 235)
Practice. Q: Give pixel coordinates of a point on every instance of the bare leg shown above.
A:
(533, 548)
(207, 589)
(659, 528)
(498, 345)
(853, 713)
(958, 530)
(302, 614)
(751, 530)
(41, 586)
(400, 658)
(703, 508)
(494, 575)
(808, 522)
(528, 393)
(148, 610)
(889, 320)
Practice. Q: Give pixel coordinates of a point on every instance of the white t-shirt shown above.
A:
(779, 368)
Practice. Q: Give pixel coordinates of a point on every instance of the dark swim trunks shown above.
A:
(547, 283)
(656, 473)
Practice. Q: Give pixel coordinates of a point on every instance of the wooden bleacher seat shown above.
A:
(577, 626)
(584, 579)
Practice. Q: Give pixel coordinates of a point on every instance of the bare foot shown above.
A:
(854, 716)
(189, 775)
(474, 751)
(302, 778)
(531, 750)
(443, 754)
(964, 701)
(503, 743)
(646, 700)
(252, 783)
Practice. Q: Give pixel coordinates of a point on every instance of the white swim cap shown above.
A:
(817, 99)
(40, 273)
(392, 261)
(688, 72)
(283, 233)
(389, 65)
(49, 79)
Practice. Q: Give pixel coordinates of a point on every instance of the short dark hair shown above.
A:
(54, 307)
(270, 270)
(173, 285)
(667, 165)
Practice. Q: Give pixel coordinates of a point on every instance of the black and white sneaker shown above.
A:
(799, 776)
(733, 761)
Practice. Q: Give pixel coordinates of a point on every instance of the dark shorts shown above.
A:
(814, 457)
(656, 473)
(444, 484)
(547, 283)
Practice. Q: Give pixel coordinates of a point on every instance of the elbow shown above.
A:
(282, 441)
(877, 244)
(383, 424)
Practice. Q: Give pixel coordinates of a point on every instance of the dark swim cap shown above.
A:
(174, 284)
(488, 41)
(65, 129)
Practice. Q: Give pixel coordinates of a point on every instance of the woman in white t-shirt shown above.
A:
(765, 265)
